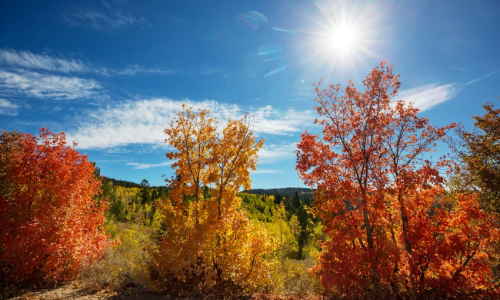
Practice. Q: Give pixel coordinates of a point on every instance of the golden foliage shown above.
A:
(127, 263)
(208, 241)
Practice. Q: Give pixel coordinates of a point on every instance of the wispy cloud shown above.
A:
(270, 121)
(143, 122)
(205, 71)
(104, 19)
(261, 171)
(275, 152)
(481, 78)
(14, 60)
(47, 62)
(36, 85)
(147, 166)
(136, 69)
(427, 96)
(137, 122)
(8, 108)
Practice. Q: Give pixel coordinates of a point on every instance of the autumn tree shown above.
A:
(286, 231)
(208, 241)
(477, 165)
(478, 151)
(380, 197)
(51, 220)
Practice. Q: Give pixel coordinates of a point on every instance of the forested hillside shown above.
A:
(303, 193)
(287, 218)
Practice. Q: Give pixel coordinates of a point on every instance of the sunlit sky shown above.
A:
(112, 74)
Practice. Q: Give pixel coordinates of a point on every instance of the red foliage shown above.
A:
(51, 222)
(391, 231)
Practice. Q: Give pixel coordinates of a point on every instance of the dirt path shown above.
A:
(73, 292)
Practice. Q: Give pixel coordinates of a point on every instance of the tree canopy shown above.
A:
(478, 158)
(208, 241)
(381, 198)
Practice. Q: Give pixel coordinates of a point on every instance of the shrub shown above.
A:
(126, 264)
(51, 220)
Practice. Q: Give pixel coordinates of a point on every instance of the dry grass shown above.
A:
(125, 265)
(123, 273)
(292, 279)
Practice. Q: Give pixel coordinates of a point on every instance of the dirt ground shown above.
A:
(73, 292)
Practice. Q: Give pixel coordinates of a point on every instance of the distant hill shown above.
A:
(290, 191)
(123, 183)
(128, 184)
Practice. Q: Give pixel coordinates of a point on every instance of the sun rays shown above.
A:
(342, 37)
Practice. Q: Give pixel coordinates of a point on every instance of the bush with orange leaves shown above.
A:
(209, 244)
(51, 222)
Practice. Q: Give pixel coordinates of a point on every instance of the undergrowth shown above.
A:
(127, 264)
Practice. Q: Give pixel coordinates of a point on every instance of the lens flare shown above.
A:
(277, 70)
(250, 21)
(284, 30)
(270, 49)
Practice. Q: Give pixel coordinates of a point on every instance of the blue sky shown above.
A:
(112, 74)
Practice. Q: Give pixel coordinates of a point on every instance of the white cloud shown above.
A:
(427, 96)
(8, 108)
(101, 20)
(139, 122)
(143, 122)
(206, 71)
(36, 85)
(481, 78)
(13, 60)
(147, 166)
(273, 152)
(268, 120)
(135, 69)
(260, 171)
(30, 60)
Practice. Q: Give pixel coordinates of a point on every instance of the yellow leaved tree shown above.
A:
(208, 243)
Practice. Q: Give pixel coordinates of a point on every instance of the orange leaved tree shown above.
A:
(208, 241)
(391, 231)
(50, 221)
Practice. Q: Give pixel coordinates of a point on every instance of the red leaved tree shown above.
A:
(391, 230)
(51, 222)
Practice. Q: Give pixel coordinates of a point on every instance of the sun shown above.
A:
(343, 39)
